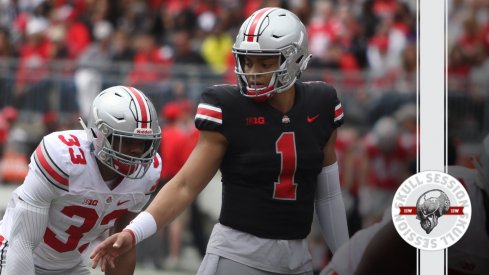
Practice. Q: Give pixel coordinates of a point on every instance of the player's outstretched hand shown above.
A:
(111, 248)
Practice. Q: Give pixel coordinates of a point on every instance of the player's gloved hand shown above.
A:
(111, 248)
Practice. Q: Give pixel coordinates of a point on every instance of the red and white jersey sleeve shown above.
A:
(466, 256)
(64, 176)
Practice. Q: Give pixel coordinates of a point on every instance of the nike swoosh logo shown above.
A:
(312, 118)
(121, 202)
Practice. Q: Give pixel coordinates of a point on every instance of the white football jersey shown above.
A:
(470, 254)
(64, 176)
(348, 256)
(466, 257)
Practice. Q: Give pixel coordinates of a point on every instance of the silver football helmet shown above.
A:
(271, 31)
(119, 114)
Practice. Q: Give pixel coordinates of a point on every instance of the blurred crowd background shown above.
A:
(56, 55)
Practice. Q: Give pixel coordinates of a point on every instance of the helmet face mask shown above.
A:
(253, 82)
(271, 32)
(121, 116)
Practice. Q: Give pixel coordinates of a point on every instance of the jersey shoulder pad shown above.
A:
(460, 171)
(322, 93)
(466, 176)
(59, 155)
(320, 87)
(156, 166)
(209, 114)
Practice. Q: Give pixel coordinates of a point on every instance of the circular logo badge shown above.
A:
(431, 210)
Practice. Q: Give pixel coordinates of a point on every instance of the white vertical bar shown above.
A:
(432, 107)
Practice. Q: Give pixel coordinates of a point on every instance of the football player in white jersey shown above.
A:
(469, 256)
(370, 251)
(83, 185)
(357, 256)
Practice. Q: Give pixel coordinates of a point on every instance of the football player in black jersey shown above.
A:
(273, 138)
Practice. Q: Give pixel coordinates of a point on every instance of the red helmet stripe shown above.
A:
(142, 107)
(253, 28)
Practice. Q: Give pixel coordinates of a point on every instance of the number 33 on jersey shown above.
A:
(64, 176)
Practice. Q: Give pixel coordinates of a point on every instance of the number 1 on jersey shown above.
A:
(285, 188)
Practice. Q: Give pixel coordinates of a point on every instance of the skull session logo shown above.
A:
(431, 210)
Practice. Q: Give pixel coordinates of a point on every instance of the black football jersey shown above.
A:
(272, 160)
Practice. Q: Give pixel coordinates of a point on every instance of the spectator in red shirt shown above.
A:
(172, 140)
(77, 33)
(184, 130)
(322, 29)
(385, 8)
(387, 169)
(352, 160)
(179, 137)
(8, 116)
(470, 38)
(32, 71)
(458, 68)
(148, 61)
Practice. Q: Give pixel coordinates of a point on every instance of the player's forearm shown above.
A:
(170, 201)
(124, 265)
(330, 208)
(182, 189)
(195, 174)
(173, 198)
(333, 222)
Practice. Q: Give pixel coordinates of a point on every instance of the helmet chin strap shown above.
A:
(259, 98)
(270, 90)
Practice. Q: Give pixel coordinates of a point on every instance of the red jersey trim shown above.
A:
(49, 169)
(209, 112)
(338, 112)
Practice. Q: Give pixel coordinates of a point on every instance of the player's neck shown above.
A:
(283, 101)
(106, 172)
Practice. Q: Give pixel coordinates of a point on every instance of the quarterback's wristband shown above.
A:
(143, 226)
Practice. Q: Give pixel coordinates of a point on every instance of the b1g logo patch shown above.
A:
(431, 210)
